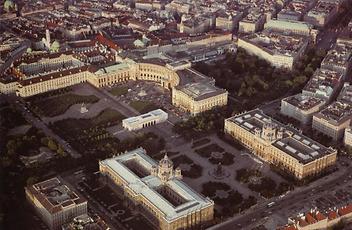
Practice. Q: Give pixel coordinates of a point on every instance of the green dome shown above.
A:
(8, 5)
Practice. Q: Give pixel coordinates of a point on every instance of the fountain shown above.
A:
(83, 108)
(219, 172)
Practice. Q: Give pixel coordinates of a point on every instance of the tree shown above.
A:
(60, 151)
(308, 71)
(349, 150)
(283, 187)
(44, 140)
(300, 80)
(5, 161)
(52, 145)
(248, 202)
(11, 146)
(31, 180)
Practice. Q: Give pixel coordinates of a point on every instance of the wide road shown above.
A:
(298, 196)
(327, 37)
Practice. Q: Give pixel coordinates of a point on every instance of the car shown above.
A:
(270, 204)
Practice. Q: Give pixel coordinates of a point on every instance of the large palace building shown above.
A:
(157, 191)
(280, 145)
(39, 74)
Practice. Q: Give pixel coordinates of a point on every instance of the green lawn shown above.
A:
(90, 135)
(54, 106)
(143, 106)
(10, 118)
(208, 149)
(119, 90)
(107, 117)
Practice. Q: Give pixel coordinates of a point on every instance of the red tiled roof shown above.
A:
(290, 228)
(52, 25)
(319, 216)
(345, 210)
(310, 219)
(302, 223)
(332, 215)
(103, 40)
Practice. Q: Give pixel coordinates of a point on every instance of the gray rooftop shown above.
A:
(147, 186)
(200, 91)
(293, 143)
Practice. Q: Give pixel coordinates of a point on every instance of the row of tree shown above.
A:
(246, 76)
(208, 121)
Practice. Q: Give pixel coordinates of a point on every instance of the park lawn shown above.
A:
(182, 159)
(54, 106)
(226, 159)
(107, 117)
(208, 149)
(119, 90)
(89, 135)
(143, 106)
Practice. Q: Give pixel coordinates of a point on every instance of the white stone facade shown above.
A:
(144, 120)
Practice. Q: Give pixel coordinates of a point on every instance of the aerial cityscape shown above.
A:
(176, 114)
